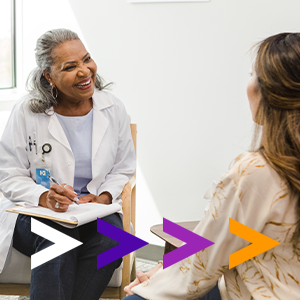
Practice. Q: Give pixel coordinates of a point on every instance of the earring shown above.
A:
(52, 93)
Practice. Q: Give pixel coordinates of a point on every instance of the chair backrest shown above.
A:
(133, 134)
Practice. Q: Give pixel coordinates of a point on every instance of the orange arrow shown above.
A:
(260, 243)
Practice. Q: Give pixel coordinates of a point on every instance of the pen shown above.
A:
(35, 145)
(30, 143)
(55, 181)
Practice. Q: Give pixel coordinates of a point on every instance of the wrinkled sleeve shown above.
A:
(125, 161)
(239, 195)
(16, 183)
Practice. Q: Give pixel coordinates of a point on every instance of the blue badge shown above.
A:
(42, 177)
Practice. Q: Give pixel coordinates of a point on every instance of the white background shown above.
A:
(151, 1)
(181, 69)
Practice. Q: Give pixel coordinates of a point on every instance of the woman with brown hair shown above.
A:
(261, 191)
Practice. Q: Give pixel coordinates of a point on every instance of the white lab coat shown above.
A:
(113, 157)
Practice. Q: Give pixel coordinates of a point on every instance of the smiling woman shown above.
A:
(64, 67)
(92, 155)
(73, 74)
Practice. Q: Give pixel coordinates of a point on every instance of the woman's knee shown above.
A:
(106, 242)
(28, 243)
(114, 220)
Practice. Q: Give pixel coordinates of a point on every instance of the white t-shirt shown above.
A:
(78, 131)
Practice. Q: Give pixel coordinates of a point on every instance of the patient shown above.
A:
(261, 190)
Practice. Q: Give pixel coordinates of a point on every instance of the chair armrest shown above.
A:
(132, 182)
(126, 199)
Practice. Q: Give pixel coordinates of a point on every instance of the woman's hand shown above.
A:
(104, 198)
(141, 277)
(60, 194)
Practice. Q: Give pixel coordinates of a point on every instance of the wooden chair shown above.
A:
(129, 265)
(129, 261)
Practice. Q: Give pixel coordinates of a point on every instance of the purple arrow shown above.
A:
(128, 243)
(194, 243)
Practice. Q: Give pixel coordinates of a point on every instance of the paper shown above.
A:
(82, 213)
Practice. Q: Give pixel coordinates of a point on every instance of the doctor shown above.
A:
(68, 128)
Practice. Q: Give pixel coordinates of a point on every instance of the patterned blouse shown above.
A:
(252, 193)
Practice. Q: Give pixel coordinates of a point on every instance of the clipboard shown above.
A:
(12, 210)
(75, 216)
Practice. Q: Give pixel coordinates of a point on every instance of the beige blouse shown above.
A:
(251, 193)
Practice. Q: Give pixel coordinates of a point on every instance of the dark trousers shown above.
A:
(72, 275)
(213, 294)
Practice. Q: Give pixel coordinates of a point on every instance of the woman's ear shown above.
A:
(48, 77)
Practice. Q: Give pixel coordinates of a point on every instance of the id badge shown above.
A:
(43, 175)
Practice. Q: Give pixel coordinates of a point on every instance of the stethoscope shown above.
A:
(46, 148)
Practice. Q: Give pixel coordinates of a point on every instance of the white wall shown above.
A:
(181, 69)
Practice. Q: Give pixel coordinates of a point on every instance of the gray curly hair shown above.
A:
(37, 85)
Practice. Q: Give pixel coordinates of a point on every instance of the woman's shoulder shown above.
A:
(249, 159)
(251, 168)
(22, 105)
(104, 99)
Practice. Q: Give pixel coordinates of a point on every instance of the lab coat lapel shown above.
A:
(100, 124)
(57, 131)
(101, 101)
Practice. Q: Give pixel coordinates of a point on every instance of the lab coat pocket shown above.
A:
(32, 159)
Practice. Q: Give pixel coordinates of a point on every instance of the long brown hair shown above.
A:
(277, 68)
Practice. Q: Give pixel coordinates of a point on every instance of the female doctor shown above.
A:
(68, 128)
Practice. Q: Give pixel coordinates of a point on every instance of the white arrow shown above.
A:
(62, 243)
